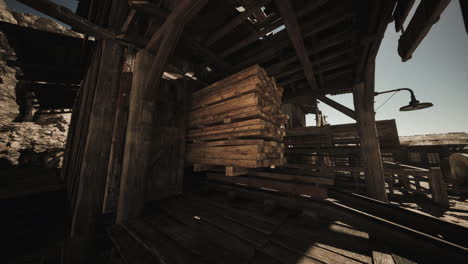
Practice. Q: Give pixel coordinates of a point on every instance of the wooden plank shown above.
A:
(324, 241)
(438, 188)
(254, 70)
(464, 9)
(208, 232)
(426, 15)
(251, 99)
(258, 132)
(299, 189)
(379, 257)
(401, 13)
(233, 115)
(252, 84)
(216, 218)
(242, 149)
(208, 251)
(161, 246)
(235, 171)
(128, 248)
(95, 157)
(292, 177)
(228, 162)
(234, 156)
(233, 23)
(235, 142)
(295, 35)
(227, 127)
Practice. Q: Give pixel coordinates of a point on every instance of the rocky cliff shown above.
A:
(38, 143)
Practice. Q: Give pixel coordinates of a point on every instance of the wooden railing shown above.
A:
(403, 178)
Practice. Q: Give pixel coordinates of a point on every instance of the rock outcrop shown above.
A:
(40, 143)
(37, 144)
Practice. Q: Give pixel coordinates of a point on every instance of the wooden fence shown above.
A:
(337, 149)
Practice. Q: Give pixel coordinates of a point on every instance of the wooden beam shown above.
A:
(114, 169)
(252, 38)
(187, 40)
(67, 16)
(146, 89)
(370, 146)
(327, 67)
(128, 21)
(438, 188)
(268, 28)
(295, 35)
(464, 10)
(278, 67)
(401, 13)
(180, 15)
(316, 25)
(343, 109)
(426, 15)
(96, 116)
(363, 94)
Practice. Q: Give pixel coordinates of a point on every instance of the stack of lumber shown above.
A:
(237, 123)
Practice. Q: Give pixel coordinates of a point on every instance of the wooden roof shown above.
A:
(435, 139)
(322, 50)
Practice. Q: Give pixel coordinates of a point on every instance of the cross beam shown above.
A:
(295, 35)
(67, 16)
(426, 15)
(343, 109)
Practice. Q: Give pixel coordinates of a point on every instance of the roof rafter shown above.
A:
(426, 15)
(318, 24)
(295, 35)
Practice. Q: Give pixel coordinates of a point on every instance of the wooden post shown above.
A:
(141, 154)
(97, 121)
(370, 149)
(118, 140)
(438, 187)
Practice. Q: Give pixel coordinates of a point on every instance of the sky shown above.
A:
(437, 73)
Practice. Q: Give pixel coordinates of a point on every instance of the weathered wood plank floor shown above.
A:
(196, 229)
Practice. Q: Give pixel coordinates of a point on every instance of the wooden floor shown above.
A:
(215, 229)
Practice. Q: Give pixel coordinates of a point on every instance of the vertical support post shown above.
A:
(141, 151)
(103, 80)
(438, 187)
(114, 169)
(318, 114)
(370, 148)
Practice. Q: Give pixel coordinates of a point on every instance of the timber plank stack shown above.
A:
(237, 123)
